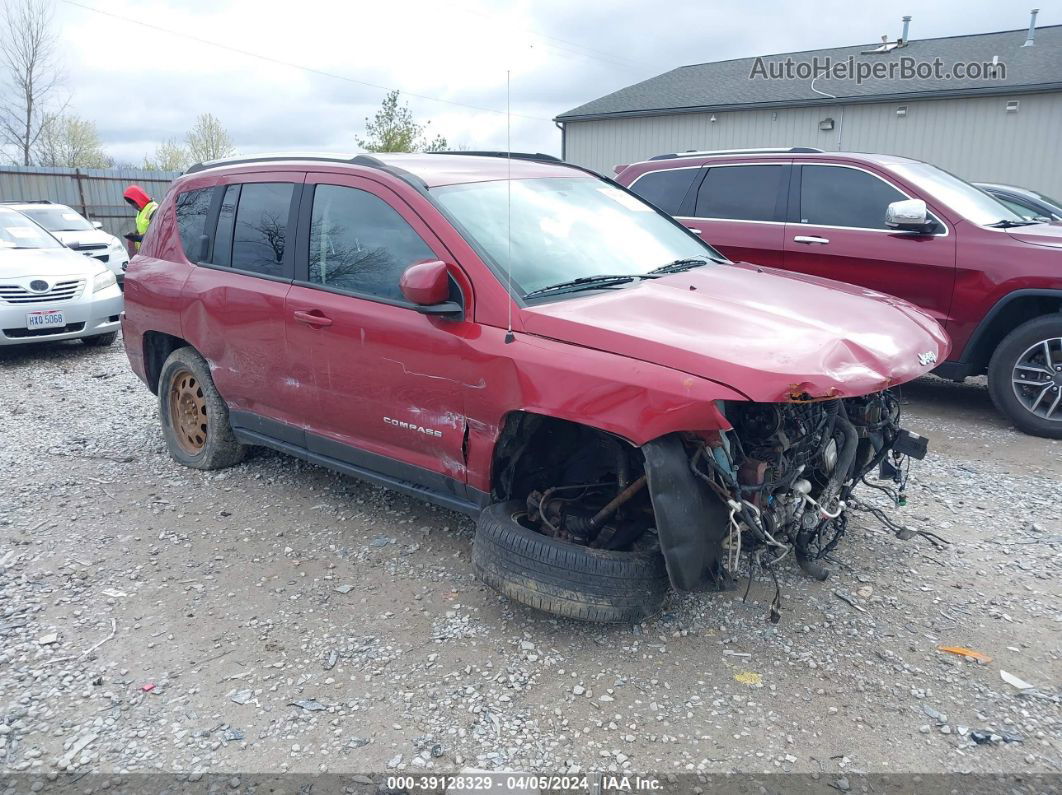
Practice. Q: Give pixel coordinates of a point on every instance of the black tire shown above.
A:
(562, 578)
(100, 340)
(1001, 369)
(195, 419)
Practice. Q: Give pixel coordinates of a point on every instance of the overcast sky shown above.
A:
(449, 59)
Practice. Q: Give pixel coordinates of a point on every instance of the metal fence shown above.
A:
(94, 192)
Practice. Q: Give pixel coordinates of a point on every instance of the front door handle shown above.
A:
(313, 318)
(810, 239)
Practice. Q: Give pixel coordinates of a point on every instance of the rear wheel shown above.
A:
(100, 340)
(195, 419)
(566, 579)
(1025, 376)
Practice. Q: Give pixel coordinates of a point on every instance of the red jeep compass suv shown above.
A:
(529, 343)
(992, 278)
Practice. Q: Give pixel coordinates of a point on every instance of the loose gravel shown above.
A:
(278, 617)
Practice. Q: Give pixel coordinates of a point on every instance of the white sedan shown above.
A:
(75, 231)
(49, 292)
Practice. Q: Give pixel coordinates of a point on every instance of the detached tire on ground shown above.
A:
(1025, 379)
(195, 419)
(562, 578)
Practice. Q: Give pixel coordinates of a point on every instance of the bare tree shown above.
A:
(30, 71)
(208, 140)
(70, 141)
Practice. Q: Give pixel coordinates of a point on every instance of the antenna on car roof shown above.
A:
(509, 205)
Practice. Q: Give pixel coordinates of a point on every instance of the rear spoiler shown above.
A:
(619, 168)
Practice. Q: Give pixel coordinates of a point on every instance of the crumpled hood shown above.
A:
(46, 262)
(1049, 235)
(767, 333)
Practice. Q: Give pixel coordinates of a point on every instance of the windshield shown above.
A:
(566, 228)
(58, 219)
(970, 202)
(17, 231)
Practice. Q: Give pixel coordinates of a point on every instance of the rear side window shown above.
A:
(666, 189)
(226, 223)
(260, 229)
(741, 193)
(193, 208)
(359, 243)
(836, 196)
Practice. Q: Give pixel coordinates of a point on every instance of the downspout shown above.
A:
(564, 140)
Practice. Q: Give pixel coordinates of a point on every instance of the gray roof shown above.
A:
(727, 85)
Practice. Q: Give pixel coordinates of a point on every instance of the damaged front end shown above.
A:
(777, 485)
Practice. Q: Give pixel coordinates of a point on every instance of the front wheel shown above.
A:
(1025, 376)
(566, 579)
(195, 419)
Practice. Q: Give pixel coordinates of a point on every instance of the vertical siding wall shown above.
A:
(94, 192)
(974, 138)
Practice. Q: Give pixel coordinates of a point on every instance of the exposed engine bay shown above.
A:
(777, 487)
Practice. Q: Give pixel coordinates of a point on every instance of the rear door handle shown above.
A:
(810, 239)
(313, 318)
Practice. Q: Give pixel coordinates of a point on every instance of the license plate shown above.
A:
(46, 319)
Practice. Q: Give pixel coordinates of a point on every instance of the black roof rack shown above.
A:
(514, 155)
(791, 150)
(324, 157)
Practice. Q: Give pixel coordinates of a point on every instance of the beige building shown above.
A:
(987, 107)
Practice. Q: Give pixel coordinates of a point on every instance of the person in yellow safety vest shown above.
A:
(145, 209)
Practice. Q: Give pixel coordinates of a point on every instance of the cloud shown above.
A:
(142, 85)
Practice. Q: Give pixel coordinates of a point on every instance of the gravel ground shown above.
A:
(277, 617)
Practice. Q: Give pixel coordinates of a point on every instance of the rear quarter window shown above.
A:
(193, 208)
(666, 189)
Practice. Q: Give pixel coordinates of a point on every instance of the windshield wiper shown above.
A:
(1005, 224)
(684, 264)
(588, 283)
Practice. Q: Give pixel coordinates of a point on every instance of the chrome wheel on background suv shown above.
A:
(1037, 379)
(1025, 376)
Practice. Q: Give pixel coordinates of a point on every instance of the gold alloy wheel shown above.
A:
(188, 412)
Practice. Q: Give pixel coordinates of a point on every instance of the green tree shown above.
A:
(169, 156)
(393, 129)
(208, 140)
(70, 141)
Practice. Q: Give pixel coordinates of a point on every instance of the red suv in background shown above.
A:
(992, 278)
(526, 342)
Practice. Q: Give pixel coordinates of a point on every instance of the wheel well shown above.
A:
(534, 451)
(157, 348)
(1008, 318)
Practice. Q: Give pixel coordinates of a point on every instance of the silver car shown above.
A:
(48, 292)
(75, 231)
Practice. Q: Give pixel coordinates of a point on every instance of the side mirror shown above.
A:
(909, 215)
(426, 285)
(97, 224)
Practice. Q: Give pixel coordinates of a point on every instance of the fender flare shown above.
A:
(977, 337)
